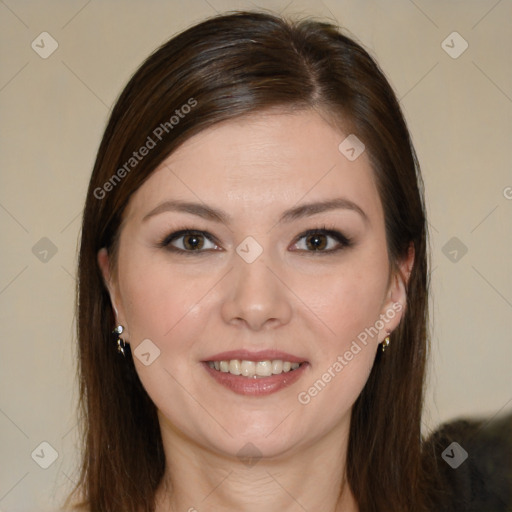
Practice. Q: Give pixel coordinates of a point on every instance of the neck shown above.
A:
(311, 477)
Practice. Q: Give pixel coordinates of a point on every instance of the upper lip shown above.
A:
(262, 355)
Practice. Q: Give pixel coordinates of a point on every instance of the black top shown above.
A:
(474, 460)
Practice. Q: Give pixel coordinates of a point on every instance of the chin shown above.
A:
(265, 438)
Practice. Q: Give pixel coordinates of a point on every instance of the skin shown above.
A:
(292, 298)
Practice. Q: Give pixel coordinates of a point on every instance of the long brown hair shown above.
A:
(228, 66)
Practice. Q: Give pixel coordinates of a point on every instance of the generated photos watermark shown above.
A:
(157, 135)
(305, 397)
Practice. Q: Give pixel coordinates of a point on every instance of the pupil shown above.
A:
(317, 241)
(193, 242)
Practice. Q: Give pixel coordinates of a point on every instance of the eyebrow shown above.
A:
(297, 212)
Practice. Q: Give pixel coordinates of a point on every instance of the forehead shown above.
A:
(262, 162)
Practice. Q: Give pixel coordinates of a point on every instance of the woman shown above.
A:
(255, 236)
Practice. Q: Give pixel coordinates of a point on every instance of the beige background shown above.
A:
(53, 114)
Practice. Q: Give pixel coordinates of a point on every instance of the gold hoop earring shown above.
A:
(121, 345)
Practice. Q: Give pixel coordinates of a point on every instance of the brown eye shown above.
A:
(193, 242)
(321, 240)
(188, 241)
(316, 242)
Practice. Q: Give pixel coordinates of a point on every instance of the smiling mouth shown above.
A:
(254, 369)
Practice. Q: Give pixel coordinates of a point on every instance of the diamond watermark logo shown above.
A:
(147, 352)
(249, 249)
(351, 148)
(249, 454)
(454, 45)
(44, 45)
(45, 455)
(44, 250)
(454, 249)
(454, 455)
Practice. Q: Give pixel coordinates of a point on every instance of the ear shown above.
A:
(396, 300)
(112, 287)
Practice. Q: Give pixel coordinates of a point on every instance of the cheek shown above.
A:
(169, 309)
(158, 300)
(349, 300)
(346, 351)
(350, 304)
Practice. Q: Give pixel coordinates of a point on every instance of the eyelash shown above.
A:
(330, 231)
(343, 241)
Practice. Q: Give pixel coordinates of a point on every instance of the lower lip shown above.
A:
(260, 386)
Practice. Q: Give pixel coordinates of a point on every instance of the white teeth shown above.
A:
(277, 366)
(264, 368)
(234, 367)
(248, 368)
(254, 369)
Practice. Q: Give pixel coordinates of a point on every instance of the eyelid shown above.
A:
(342, 240)
(165, 243)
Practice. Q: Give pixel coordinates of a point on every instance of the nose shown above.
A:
(255, 297)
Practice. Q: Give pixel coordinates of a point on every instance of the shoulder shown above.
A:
(473, 458)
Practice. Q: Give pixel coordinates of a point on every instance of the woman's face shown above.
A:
(286, 262)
